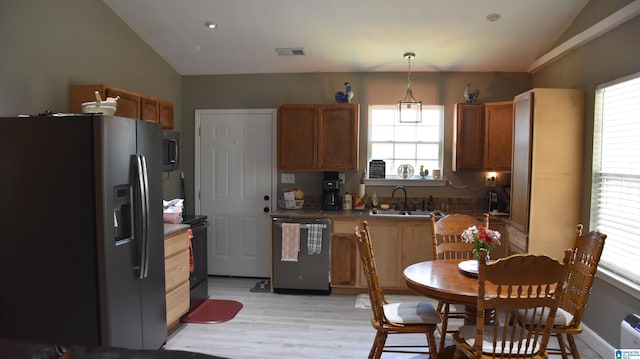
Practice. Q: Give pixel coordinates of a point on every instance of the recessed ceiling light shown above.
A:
(210, 24)
(493, 17)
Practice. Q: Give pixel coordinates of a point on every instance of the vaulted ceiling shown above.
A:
(348, 35)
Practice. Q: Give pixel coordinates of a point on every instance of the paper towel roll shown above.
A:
(346, 203)
(361, 190)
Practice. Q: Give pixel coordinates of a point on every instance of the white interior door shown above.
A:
(234, 168)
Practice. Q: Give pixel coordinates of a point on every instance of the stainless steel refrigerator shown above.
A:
(81, 249)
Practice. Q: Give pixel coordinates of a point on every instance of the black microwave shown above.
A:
(170, 150)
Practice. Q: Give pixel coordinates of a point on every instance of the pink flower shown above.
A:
(481, 237)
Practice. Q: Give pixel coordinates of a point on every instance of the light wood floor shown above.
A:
(291, 326)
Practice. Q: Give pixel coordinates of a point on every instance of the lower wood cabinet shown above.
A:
(176, 264)
(386, 239)
(345, 260)
(396, 243)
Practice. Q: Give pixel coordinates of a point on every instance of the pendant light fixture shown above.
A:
(410, 109)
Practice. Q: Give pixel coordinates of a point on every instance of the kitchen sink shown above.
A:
(414, 213)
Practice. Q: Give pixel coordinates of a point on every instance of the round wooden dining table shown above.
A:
(444, 281)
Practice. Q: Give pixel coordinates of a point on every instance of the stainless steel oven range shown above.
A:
(198, 278)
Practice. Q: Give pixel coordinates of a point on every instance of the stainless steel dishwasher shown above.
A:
(310, 270)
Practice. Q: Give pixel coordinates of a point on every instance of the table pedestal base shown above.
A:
(470, 314)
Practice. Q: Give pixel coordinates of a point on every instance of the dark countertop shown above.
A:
(170, 228)
(362, 215)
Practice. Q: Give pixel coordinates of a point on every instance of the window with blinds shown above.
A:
(615, 193)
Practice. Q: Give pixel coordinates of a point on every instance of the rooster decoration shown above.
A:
(471, 96)
(345, 97)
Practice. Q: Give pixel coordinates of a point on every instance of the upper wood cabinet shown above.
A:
(165, 114)
(130, 104)
(318, 137)
(482, 136)
(498, 128)
(468, 137)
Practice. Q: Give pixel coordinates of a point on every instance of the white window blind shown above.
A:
(615, 193)
(396, 143)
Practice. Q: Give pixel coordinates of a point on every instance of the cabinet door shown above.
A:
(166, 114)
(520, 171)
(128, 104)
(385, 239)
(468, 138)
(297, 137)
(416, 244)
(503, 249)
(338, 138)
(149, 109)
(498, 125)
(343, 260)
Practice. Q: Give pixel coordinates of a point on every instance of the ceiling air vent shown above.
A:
(291, 51)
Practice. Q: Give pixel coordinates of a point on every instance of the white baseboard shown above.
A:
(596, 343)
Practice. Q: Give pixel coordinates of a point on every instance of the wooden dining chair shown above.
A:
(448, 244)
(394, 318)
(528, 284)
(587, 250)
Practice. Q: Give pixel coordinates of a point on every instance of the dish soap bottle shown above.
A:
(374, 203)
(430, 204)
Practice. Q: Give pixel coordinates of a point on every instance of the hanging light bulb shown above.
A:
(409, 109)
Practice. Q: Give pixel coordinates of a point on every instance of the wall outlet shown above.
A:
(341, 177)
(288, 178)
(490, 181)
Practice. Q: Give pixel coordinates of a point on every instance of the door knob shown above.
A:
(266, 197)
(266, 209)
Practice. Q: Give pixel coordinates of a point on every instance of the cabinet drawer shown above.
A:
(177, 304)
(344, 227)
(175, 243)
(176, 269)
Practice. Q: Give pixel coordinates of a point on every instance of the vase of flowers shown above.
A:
(481, 237)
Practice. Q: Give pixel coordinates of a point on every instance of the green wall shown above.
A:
(48, 45)
(269, 91)
(611, 56)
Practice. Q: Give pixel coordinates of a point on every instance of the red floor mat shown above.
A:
(213, 311)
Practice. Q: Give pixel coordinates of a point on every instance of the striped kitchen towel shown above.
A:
(314, 239)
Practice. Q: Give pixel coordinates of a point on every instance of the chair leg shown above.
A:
(574, 349)
(443, 309)
(563, 345)
(457, 354)
(378, 345)
(433, 350)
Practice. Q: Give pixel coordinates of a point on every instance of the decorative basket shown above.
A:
(287, 204)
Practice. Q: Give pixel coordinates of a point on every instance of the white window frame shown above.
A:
(615, 187)
(391, 174)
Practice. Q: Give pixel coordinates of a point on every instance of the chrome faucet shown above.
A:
(406, 205)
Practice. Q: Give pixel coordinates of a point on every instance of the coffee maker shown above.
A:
(331, 191)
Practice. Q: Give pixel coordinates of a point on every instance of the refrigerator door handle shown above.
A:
(143, 183)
